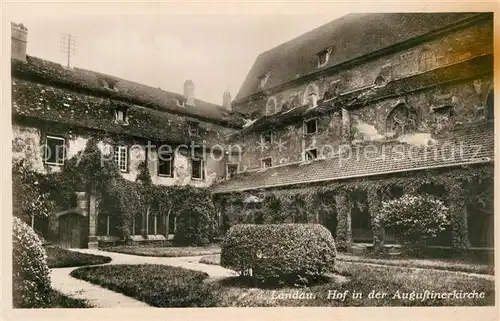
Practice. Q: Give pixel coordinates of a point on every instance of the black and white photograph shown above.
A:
(207, 160)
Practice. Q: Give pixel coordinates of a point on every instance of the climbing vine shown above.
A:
(90, 171)
(460, 186)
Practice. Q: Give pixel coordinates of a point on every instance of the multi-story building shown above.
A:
(55, 110)
(370, 97)
(362, 100)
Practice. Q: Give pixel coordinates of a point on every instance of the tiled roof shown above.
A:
(351, 36)
(471, 143)
(53, 104)
(90, 82)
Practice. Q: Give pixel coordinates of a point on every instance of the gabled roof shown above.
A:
(472, 143)
(94, 83)
(350, 37)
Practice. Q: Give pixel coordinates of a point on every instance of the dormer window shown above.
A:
(323, 57)
(121, 115)
(194, 129)
(263, 80)
(180, 103)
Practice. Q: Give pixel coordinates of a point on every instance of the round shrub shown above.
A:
(31, 276)
(196, 223)
(279, 253)
(414, 219)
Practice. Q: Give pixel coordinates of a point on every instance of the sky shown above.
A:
(215, 51)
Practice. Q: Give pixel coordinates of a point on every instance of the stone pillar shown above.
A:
(92, 214)
(458, 214)
(374, 203)
(344, 231)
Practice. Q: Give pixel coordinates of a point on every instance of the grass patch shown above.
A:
(58, 257)
(213, 259)
(365, 279)
(165, 286)
(445, 265)
(157, 285)
(59, 300)
(165, 251)
(438, 264)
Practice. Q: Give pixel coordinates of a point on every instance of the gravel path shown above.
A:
(100, 297)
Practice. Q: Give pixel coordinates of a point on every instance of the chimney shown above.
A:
(226, 101)
(19, 40)
(189, 92)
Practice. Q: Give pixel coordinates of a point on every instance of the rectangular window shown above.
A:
(310, 154)
(267, 137)
(323, 57)
(266, 162)
(54, 150)
(232, 169)
(194, 129)
(121, 157)
(165, 163)
(310, 126)
(197, 169)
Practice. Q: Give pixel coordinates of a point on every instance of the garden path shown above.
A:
(104, 298)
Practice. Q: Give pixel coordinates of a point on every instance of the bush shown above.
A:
(158, 285)
(414, 219)
(279, 253)
(196, 223)
(31, 275)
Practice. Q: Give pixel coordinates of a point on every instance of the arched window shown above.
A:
(311, 89)
(490, 106)
(271, 106)
(402, 120)
(426, 60)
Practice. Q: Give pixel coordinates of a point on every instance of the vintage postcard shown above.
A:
(222, 156)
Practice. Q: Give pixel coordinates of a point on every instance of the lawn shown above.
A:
(165, 251)
(447, 265)
(157, 285)
(59, 300)
(165, 286)
(58, 257)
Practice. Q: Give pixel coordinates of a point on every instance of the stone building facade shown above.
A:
(371, 97)
(360, 109)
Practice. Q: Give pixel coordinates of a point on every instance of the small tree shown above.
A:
(414, 219)
(196, 223)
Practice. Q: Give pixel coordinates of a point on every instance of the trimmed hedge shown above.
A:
(30, 273)
(279, 253)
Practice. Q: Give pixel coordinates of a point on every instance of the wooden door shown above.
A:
(70, 231)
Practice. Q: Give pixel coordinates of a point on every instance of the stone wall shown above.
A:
(437, 108)
(28, 143)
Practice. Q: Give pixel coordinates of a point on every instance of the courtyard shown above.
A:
(199, 281)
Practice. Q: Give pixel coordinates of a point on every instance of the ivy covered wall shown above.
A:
(333, 203)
